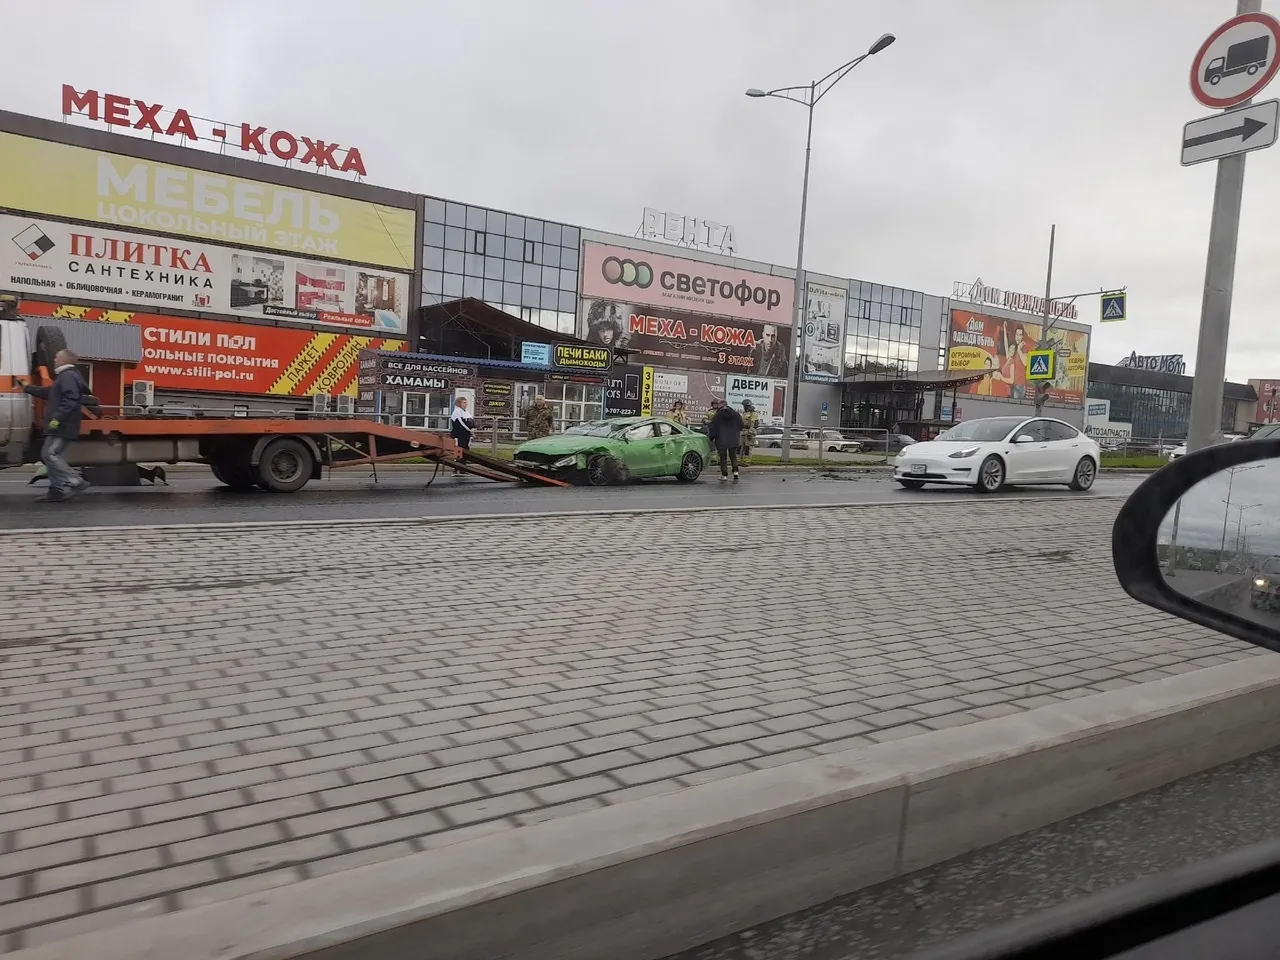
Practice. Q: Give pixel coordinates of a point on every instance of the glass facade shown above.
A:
(521, 265)
(574, 403)
(882, 333)
(1155, 412)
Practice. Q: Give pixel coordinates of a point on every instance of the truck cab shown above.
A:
(15, 406)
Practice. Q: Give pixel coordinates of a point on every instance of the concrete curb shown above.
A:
(541, 515)
(644, 879)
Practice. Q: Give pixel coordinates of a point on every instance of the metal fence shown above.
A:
(808, 441)
(1141, 446)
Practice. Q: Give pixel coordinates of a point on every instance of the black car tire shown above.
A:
(603, 471)
(991, 475)
(690, 468)
(776, 445)
(912, 484)
(1086, 473)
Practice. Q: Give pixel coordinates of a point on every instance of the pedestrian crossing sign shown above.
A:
(1040, 365)
(1114, 307)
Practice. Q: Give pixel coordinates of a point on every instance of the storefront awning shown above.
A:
(473, 328)
(907, 383)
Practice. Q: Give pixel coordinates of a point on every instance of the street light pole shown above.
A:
(1226, 513)
(807, 96)
(797, 308)
(1042, 389)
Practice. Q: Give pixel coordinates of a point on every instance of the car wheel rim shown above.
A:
(691, 468)
(1084, 473)
(596, 472)
(992, 473)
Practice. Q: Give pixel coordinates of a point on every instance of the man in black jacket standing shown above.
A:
(62, 425)
(725, 431)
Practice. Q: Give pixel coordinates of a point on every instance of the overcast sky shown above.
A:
(1252, 487)
(944, 158)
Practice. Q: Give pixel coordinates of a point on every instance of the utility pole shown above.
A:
(1219, 279)
(1042, 389)
(1041, 395)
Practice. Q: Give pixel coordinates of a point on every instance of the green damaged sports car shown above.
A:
(616, 451)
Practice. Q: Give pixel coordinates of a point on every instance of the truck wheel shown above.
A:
(49, 340)
(285, 465)
(235, 473)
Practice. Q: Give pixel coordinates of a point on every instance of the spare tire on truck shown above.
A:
(49, 341)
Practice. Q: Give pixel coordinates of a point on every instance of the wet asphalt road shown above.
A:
(1194, 819)
(194, 497)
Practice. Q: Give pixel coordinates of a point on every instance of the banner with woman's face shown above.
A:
(1000, 345)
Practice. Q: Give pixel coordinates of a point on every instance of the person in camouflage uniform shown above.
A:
(750, 424)
(539, 418)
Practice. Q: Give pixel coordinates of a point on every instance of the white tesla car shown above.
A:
(990, 453)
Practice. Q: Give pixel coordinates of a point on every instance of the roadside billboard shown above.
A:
(823, 355)
(76, 183)
(676, 283)
(179, 353)
(766, 394)
(88, 263)
(678, 339)
(624, 391)
(1267, 409)
(694, 388)
(1099, 425)
(981, 342)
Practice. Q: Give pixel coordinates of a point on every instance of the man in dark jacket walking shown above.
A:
(725, 431)
(62, 425)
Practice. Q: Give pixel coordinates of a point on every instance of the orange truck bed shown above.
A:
(240, 449)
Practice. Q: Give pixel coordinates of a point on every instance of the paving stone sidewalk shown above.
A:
(190, 716)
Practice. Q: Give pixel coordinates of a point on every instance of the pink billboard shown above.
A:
(656, 280)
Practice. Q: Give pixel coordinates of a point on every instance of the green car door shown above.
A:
(647, 451)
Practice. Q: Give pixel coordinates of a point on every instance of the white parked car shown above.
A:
(988, 454)
(833, 441)
(1180, 451)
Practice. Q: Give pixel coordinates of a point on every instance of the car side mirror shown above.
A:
(1200, 539)
(1024, 438)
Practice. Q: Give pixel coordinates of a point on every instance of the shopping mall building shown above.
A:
(260, 286)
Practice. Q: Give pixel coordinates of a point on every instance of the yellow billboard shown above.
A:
(54, 179)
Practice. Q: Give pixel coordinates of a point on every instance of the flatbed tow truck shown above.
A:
(277, 454)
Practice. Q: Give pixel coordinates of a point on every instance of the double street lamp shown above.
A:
(807, 96)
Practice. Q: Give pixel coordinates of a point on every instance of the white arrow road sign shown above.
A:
(1237, 131)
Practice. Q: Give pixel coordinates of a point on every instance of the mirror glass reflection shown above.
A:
(1220, 545)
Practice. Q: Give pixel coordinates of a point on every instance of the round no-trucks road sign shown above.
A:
(1237, 60)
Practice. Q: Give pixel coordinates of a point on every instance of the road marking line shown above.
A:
(541, 515)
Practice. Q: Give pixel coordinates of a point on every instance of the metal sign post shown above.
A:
(1236, 62)
(1059, 307)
